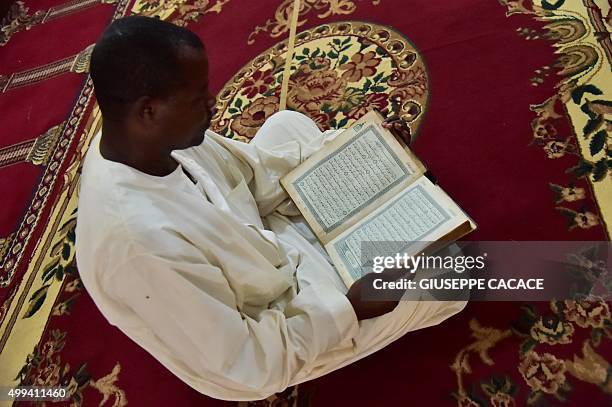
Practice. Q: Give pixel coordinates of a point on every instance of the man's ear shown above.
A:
(146, 110)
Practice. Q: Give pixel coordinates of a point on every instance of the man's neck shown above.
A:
(116, 146)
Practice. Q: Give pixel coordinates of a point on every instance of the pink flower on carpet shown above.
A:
(542, 372)
(360, 66)
(308, 92)
(254, 115)
(258, 83)
(587, 314)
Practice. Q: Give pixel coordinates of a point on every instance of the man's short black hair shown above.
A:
(137, 56)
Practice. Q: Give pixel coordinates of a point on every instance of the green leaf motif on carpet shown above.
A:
(37, 300)
(600, 169)
(581, 90)
(597, 142)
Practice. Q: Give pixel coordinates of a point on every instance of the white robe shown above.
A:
(213, 279)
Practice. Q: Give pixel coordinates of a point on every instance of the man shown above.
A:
(188, 244)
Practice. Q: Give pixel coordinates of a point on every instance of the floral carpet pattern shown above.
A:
(582, 94)
(544, 373)
(343, 70)
(512, 111)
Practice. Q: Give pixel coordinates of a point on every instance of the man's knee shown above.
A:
(287, 125)
(295, 121)
(288, 116)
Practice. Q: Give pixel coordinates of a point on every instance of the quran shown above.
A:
(367, 186)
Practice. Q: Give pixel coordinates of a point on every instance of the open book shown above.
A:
(366, 186)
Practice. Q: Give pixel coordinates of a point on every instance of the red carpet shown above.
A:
(470, 87)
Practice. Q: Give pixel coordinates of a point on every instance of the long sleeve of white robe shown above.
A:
(263, 163)
(191, 308)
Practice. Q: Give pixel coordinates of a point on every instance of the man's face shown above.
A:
(184, 115)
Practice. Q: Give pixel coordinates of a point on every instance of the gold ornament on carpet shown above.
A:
(281, 22)
(18, 19)
(591, 368)
(485, 338)
(179, 12)
(78, 63)
(35, 151)
(81, 61)
(44, 145)
(4, 245)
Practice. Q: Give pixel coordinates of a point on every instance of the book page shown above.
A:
(345, 180)
(407, 223)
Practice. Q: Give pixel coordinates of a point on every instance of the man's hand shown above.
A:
(396, 124)
(370, 308)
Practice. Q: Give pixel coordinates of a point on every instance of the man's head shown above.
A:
(151, 81)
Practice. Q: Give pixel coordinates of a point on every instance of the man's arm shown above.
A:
(190, 307)
(285, 140)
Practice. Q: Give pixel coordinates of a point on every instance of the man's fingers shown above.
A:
(401, 124)
(399, 127)
(407, 134)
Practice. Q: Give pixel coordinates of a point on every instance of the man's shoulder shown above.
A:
(132, 215)
(117, 218)
(105, 243)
